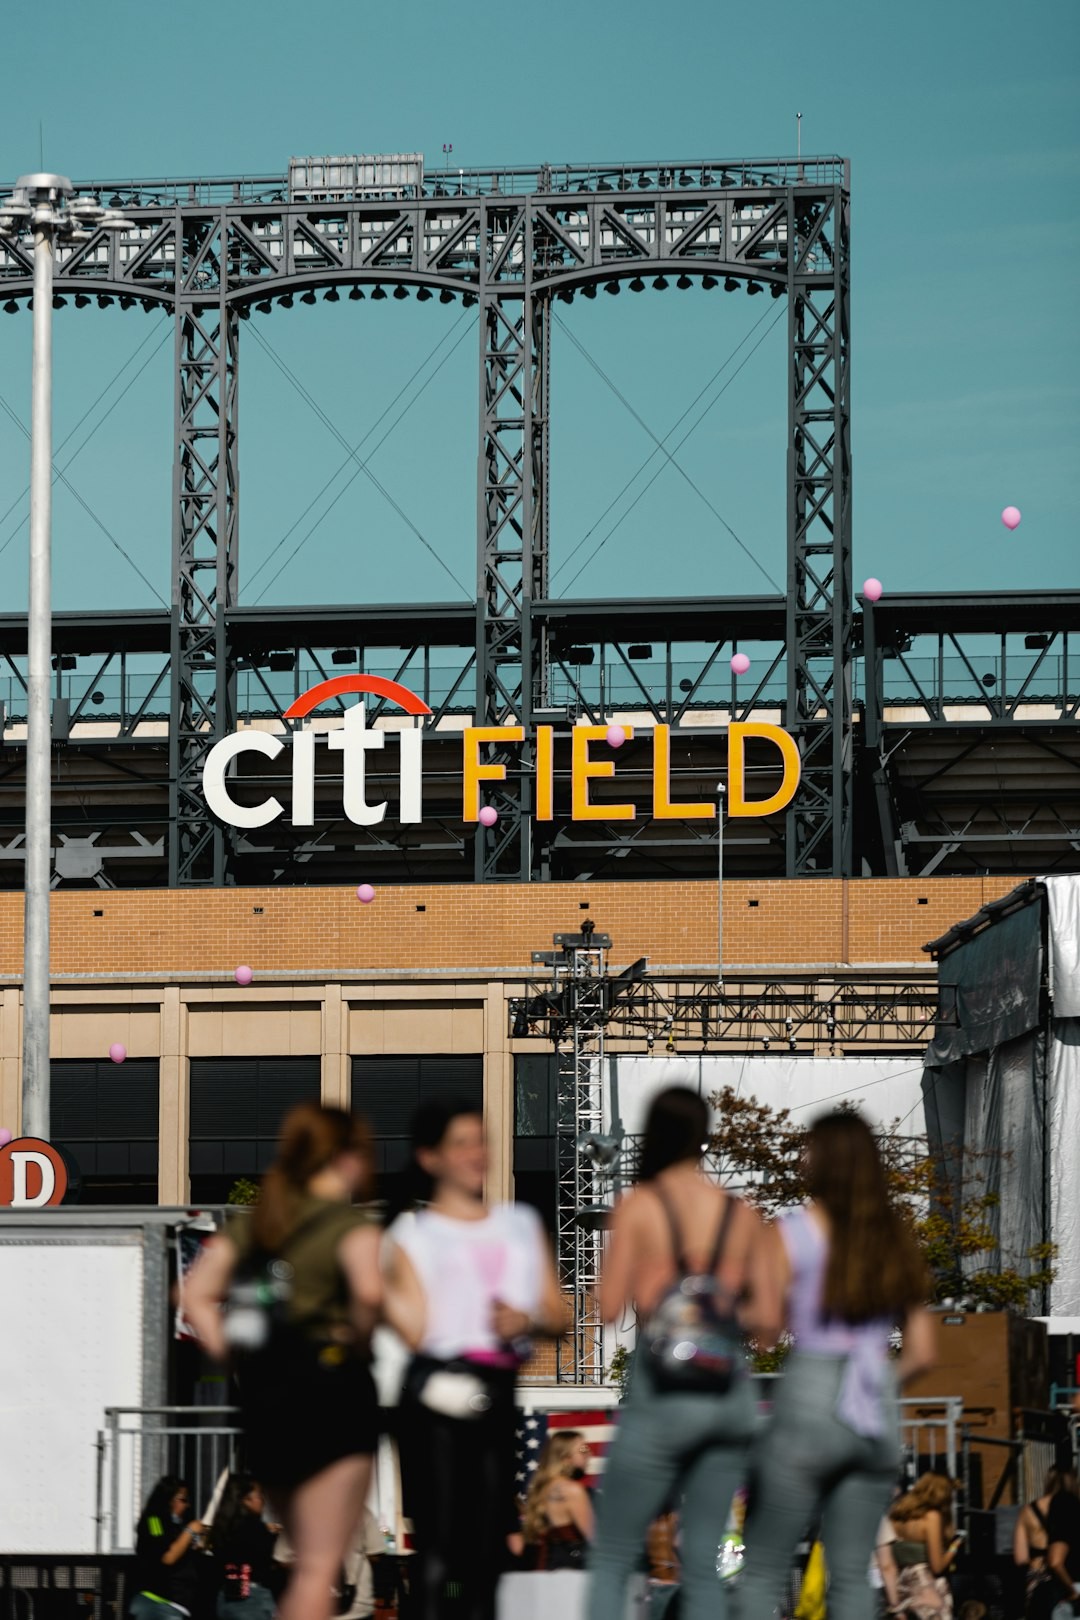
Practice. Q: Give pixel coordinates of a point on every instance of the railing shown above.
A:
(38, 1585)
(140, 1444)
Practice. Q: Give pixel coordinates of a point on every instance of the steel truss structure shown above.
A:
(511, 241)
(912, 763)
(584, 1011)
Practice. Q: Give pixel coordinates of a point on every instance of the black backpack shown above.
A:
(256, 1307)
(692, 1342)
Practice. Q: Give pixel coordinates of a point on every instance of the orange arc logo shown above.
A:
(378, 685)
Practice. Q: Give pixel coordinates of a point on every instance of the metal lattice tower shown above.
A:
(581, 994)
(511, 241)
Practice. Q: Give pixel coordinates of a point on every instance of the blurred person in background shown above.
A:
(850, 1271)
(677, 1444)
(468, 1285)
(301, 1289)
(1063, 1551)
(1031, 1545)
(558, 1522)
(168, 1542)
(243, 1547)
(925, 1547)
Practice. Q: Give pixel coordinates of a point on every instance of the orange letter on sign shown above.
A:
(545, 773)
(738, 732)
(662, 807)
(582, 768)
(474, 771)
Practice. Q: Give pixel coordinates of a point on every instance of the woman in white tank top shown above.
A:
(468, 1287)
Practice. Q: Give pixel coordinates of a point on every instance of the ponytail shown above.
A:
(312, 1137)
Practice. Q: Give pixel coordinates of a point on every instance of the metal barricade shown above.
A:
(139, 1444)
(930, 1435)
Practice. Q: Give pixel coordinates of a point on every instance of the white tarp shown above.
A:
(1064, 1143)
(886, 1089)
(1063, 897)
(70, 1345)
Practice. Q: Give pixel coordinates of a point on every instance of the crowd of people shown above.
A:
(289, 1297)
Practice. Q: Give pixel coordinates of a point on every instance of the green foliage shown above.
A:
(243, 1191)
(760, 1150)
(619, 1370)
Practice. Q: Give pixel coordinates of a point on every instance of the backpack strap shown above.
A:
(722, 1234)
(673, 1226)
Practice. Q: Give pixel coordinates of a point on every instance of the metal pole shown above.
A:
(720, 885)
(35, 1071)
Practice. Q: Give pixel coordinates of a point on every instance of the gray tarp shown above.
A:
(990, 988)
(1063, 899)
(1065, 1164)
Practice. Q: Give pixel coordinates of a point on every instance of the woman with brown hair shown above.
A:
(301, 1287)
(925, 1547)
(558, 1522)
(850, 1272)
(1031, 1544)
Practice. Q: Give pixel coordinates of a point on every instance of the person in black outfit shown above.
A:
(243, 1547)
(308, 1405)
(1063, 1538)
(167, 1539)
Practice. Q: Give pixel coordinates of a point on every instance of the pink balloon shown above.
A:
(1011, 517)
(5, 1137)
(488, 815)
(243, 975)
(872, 589)
(117, 1052)
(740, 664)
(365, 894)
(616, 736)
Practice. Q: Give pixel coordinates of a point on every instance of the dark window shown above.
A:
(105, 1118)
(535, 1180)
(386, 1091)
(237, 1106)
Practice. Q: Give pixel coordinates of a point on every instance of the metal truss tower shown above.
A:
(581, 994)
(511, 241)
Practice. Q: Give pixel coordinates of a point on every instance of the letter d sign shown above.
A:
(32, 1174)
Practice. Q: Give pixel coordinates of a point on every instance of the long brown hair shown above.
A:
(552, 1466)
(312, 1137)
(930, 1492)
(875, 1269)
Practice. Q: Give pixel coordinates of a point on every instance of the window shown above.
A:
(237, 1106)
(535, 1165)
(105, 1118)
(386, 1091)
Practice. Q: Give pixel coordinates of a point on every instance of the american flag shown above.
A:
(534, 1426)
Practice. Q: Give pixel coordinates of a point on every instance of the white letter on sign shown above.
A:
(21, 1159)
(353, 741)
(217, 794)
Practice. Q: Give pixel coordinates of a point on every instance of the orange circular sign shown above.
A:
(33, 1174)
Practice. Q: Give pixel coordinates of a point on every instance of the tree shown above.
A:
(760, 1150)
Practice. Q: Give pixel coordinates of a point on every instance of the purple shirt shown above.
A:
(865, 1344)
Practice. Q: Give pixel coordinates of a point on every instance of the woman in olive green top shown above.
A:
(302, 1290)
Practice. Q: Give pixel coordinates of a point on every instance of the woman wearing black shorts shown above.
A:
(308, 1405)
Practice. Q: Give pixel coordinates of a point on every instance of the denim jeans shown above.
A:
(667, 1446)
(810, 1468)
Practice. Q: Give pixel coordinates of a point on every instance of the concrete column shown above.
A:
(11, 1059)
(335, 1048)
(174, 1179)
(498, 1094)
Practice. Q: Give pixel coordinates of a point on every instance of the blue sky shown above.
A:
(962, 121)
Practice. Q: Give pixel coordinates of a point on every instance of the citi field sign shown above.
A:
(355, 740)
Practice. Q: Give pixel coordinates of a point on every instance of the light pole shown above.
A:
(44, 207)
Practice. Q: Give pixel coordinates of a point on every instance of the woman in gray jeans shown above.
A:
(850, 1272)
(670, 1445)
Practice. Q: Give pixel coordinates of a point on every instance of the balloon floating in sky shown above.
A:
(1011, 517)
(488, 815)
(365, 894)
(872, 589)
(117, 1052)
(740, 664)
(5, 1137)
(243, 975)
(616, 736)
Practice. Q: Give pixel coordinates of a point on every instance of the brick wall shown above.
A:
(326, 931)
